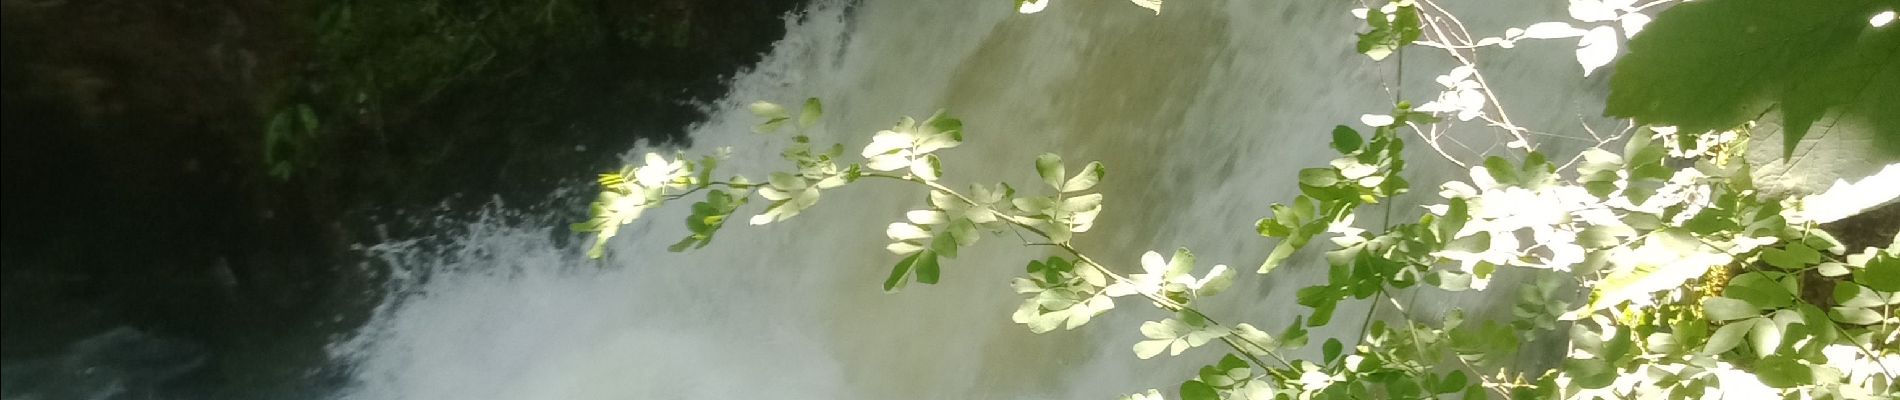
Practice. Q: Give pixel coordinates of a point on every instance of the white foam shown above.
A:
(1203, 114)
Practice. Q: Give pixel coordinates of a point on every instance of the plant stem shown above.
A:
(696, 189)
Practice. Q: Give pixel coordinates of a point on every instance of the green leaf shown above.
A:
(1407, 25)
(1294, 336)
(1618, 346)
(1728, 336)
(1090, 175)
(1783, 372)
(1049, 166)
(1852, 295)
(1501, 170)
(1180, 264)
(927, 271)
(770, 126)
(1476, 392)
(1386, 37)
(928, 167)
(1230, 363)
(1712, 65)
(1642, 221)
(1537, 171)
(1319, 177)
(276, 135)
(1214, 377)
(1323, 313)
(1758, 289)
(1856, 316)
(682, 245)
(767, 110)
(1376, 43)
(1710, 221)
(1727, 309)
(309, 119)
(1197, 390)
(1602, 236)
(809, 116)
(1690, 332)
(706, 167)
(900, 273)
(1764, 336)
(1591, 373)
(1640, 279)
(1312, 296)
(599, 249)
(1346, 140)
(1794, 256)
(1457, 212)
(1820, 240)
(1452, 383)
(1280, 253)
(1329, 351)
(1832, 269)
(1269, 227)
(944, 244)
(943, 124)
(1147, 349)
(1882, 273)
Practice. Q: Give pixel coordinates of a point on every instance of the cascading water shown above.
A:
(1202, 114)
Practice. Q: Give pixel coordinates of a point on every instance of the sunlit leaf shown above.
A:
(1596, 48)
(809, 115)
(1049, 166)
(1855, 316)
(1552, 30)
(767, 110)
(1031, 6)
(1726, 309)
(1729, 336)
(928, 167)
(1086, 179)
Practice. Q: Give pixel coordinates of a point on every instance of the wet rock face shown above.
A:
(139, 190)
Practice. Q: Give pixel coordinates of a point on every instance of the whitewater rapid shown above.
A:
(1203, 115)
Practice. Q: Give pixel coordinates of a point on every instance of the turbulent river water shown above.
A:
(1203, 115)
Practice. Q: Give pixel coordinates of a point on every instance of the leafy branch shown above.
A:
(1653, 249)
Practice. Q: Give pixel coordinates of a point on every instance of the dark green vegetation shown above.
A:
(1715, 65)
(200, 170)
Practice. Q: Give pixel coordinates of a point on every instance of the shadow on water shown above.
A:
(120, 363)
(150, 252)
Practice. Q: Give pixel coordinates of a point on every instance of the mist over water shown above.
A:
(1202, 114)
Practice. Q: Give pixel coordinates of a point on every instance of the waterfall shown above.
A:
(1203, 114)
